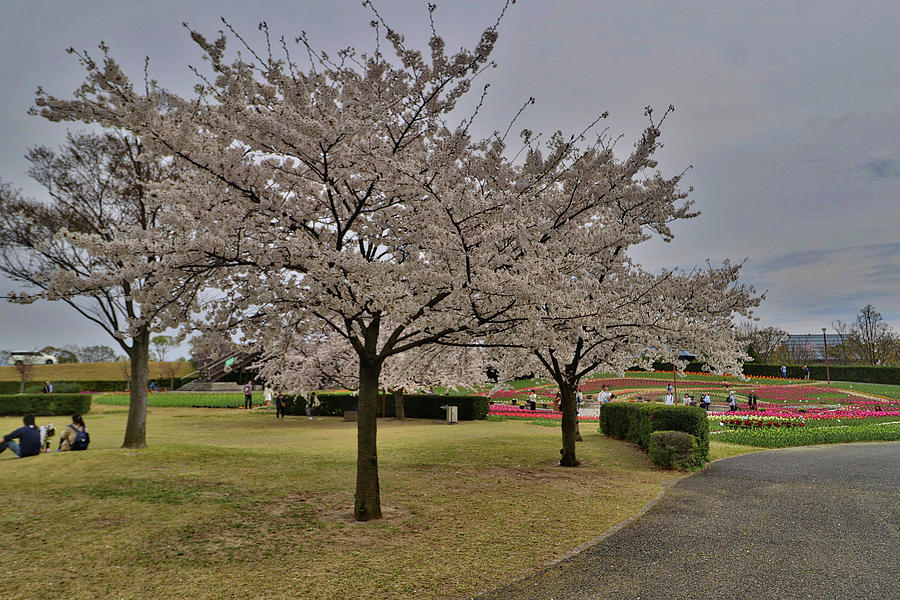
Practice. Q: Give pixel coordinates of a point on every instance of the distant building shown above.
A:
(812, 344)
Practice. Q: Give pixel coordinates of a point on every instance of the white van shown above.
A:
(31, 358)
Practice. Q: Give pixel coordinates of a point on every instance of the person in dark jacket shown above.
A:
(280, 406)
(29, 438)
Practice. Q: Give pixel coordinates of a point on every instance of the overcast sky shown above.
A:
(787, 112)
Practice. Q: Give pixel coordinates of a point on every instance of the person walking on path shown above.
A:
(805, 372)
(248, 394)
(268, 394)
(705, 401)
(29, 437)
(784, 371)
(670, 399)
(732, 401)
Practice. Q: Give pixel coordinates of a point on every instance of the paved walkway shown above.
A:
(816, 522)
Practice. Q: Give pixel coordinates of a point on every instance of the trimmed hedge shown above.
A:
(45, 404)
(636, 421)
(12, 387)
(415, 406)
(675, 450)
(428, 406)
(95, 385)
(855, 373)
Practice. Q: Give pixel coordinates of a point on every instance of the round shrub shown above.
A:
(675, 450)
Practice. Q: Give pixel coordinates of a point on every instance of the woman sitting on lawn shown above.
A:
(69, 436)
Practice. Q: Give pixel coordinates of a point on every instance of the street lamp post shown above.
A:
(827, 373)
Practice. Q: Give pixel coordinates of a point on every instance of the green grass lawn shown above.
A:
(868, 431)
(181, 399)
(235, 504)
(878, 389)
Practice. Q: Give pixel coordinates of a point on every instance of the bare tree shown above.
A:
(125, 369)
(844, 352)
(764, 341)
(873, 339)
(169, 370)
(24, 369)
(801, 351)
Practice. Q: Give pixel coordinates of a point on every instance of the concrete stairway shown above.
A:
(198, 385)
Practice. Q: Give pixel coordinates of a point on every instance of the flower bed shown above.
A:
(798, 394)
(518, 412)
(810, 414)
(757, 421)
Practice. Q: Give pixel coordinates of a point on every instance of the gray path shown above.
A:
(817, 522)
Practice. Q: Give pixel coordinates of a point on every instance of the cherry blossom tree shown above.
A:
(330, 196)
(97, 243)
(585, 305)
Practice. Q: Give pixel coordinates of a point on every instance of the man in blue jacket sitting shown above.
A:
(29, 438)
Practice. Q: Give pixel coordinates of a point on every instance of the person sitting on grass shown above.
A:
(68, 439)
(29, 437)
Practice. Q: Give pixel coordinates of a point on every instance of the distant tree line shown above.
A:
(868, 340)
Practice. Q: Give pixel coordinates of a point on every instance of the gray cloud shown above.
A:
(789, 115)
(871, 252)
(882, 168)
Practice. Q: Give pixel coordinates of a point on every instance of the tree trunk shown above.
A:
(570, 432)
(136, 427)
(398, 405)
(367, 504)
